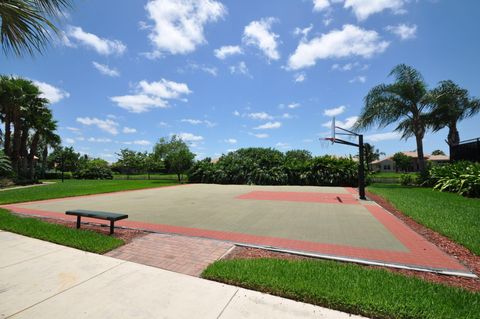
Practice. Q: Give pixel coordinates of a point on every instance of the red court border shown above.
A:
(422, 253)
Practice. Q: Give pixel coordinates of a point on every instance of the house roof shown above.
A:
(414, 154)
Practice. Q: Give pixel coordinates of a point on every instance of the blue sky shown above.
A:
(230, 74)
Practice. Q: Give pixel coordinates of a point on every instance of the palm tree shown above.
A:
(26, 25)
(451, 104)
(44, 126)
(371, 153)
(404, 101)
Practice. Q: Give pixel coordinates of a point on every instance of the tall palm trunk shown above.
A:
(23, 150)
(17, 135)
(8, 136)
(31, 155)
(44, 159)
(421, 156)
(453, 136)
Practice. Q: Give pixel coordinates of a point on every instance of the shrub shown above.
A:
(58, 175)
(460, 177)
(5, 165)
(409, 179)
(94, 169)
(265, 166)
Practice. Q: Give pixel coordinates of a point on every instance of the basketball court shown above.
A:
(327, 222)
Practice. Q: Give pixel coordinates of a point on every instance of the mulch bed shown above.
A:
(459, 252)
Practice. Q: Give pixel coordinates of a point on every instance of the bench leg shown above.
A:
(111, 227)
(78, 222)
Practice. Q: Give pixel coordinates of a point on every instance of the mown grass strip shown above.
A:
(86, 240)
(77, 188)
(452, 215)
(367, 291)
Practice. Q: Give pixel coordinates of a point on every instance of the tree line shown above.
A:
(169, 155)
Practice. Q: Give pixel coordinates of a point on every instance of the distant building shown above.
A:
(387, 164)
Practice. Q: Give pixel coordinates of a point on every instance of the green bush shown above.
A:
(58, 175)
(94, 169)
(409, 179)
(5, 166)
(460, 177)
(265, 166)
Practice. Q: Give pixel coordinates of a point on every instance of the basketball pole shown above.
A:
(361, 168)
(361, 154)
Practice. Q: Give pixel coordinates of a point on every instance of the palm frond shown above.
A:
(25, 24)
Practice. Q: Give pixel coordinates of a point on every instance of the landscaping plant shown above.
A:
(460, 177)
(266, 166)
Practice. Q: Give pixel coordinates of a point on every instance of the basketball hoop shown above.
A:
(350, 140)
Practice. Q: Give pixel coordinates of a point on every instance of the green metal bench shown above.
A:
(112, 217)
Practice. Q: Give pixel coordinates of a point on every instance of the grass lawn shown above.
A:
(348, 287)
(73, 187)
(387, 175)
(81, 239)
(452, 215)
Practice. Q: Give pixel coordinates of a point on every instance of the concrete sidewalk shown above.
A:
(43, 280)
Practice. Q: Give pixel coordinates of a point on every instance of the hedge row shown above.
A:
(265, 166)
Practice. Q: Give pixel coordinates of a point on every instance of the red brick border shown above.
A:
(422, 253)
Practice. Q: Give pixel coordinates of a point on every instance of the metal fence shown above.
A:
(468, 150)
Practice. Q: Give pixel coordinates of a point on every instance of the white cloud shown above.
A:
(152, 95)
(178, 26)
(236, 113)
(405, 32)
(69, 140)
(129, 130)
(191, 121)
(350, 66)
(99, 140)
(50, 92)
(101, 45)
(164, 89)
(142, 142)
(260, 135)
(138, 103)
(358, 79)
(189, 137)
(195, 66)
(286, 116)
(283, 145)
(240, 68)
(350, 41)
(257, 33)
(293, 105)
(364, 8)
(320, 5)
(196, 122)
(335, 111)
(107, 125)
(231, 141)
(105, 69)
(75, 130)
(268, 126)
(303, 32)
(260, 116)
(299, 77)
(348, 123)
(227, 50)
(163, 124)
(383, 137)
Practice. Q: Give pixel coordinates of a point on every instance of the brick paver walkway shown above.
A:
(186, 255)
